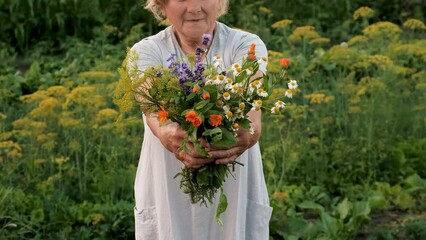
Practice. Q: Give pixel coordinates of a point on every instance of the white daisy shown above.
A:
(275, 110)
(292, 84)
(289, 93)
(261, 92)
(280, 104)
(263, 61)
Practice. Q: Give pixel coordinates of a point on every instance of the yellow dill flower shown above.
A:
(67, 120)
(86, 96)
(327, 120)
(280, 195)
(380, 30)
(34, 97)
(411, 50)
(97, 218)
(363, 12)
(399, 70)
(11, 148)
(319, 41)
(39, 161)
(317, 98)
(282, 23)
(60, 160)
(74, 145)
(343, 55)
(107, 113)
(264, 10)
(97, 75)
(14, 153)
(5, 135)
(357, 39)
(3, 116)
(274, 53)
(57, 91)
(303, 33)
(45, 108)
(414, 24)
(419, 76)
(380, 61)
(354, 109)
(372, 84)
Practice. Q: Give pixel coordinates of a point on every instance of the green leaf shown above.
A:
(200, 105)
(207, 107)
(343, 208)
(213, 135)
(311, 205)
(200, 149)
(190, 96)
(330, 225)
(221, 208)
(228, 138)
(244, 123)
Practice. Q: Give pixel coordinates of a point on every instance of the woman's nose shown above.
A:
(194, 6)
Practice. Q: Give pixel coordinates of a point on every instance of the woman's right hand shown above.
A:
(171, 137)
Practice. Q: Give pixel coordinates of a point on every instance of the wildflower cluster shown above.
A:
(208, 101)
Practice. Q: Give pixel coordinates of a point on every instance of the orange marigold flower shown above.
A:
(252, 48)
(192, 117)
(284, 62)
(215, 120)
(162, 115)
(251, 52)
(195, 89)
(206, 95)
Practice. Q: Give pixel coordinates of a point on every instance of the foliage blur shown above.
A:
(347, 161)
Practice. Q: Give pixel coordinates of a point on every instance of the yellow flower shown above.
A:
(414, 24)
(60, 160)
(97, 218)
(319, 41)
(226, 95)
(45, 108)
(275, 109)
(107, 114)
(265, 10)
(380, 30)
(229, 115)
(363, 12)
(257, 104)
(381, 61)
(303, 33)
(357, 39)
(282, 23)
(317, 98)
(98, 76)
(280, 195)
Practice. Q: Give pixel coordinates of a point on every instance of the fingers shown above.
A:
(191, 161)
(227, 160)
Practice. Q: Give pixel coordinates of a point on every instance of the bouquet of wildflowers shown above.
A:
(207, 101)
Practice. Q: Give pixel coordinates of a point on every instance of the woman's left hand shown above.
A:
(245, 139)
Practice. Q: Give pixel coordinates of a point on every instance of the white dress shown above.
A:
(162, 210)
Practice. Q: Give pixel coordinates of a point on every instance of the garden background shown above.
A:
(347, 159)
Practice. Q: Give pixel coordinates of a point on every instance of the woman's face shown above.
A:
(192, 18)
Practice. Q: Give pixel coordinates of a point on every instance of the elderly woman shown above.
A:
(162, 210)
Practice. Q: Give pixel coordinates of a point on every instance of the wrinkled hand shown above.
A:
(171, 136)
(245, 140)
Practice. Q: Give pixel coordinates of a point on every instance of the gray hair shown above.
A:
(155, 7)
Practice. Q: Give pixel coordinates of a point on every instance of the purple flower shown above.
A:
(171, 57)
(206, 39)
